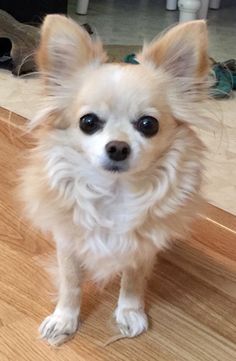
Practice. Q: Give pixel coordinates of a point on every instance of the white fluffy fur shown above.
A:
(111, 223)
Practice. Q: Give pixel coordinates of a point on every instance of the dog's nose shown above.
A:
(117, 150)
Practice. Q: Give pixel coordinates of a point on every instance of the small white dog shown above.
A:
(116, 171)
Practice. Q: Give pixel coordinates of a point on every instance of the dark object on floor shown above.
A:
(88, 28)
(225, 78)
(118, 53)
(5, 58)
(33, 11)
(23, 41)
(18, 44)
(130, 58)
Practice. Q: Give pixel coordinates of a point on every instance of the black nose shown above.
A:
(118, 150)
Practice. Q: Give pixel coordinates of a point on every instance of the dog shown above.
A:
(116, 171)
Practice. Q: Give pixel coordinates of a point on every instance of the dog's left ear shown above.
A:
(181, 54)
(65, 48)
(181, 51)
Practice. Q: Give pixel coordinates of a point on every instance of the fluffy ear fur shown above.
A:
(65, 52)
(65, 47)
(182, 51)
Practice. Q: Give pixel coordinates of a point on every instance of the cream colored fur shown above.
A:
(107, 223)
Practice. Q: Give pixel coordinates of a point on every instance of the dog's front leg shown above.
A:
(63, 322)
(130, 314)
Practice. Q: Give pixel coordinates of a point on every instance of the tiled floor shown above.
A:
(131, 22)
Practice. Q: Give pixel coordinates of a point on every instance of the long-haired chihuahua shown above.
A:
(117, 167)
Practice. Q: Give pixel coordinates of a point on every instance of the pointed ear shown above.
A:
(65, 47)
(182, 51)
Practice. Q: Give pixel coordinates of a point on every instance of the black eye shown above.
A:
(147, 125)
(90, 123)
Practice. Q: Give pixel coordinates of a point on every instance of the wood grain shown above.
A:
(191, 299)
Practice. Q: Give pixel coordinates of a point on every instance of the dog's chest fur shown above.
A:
(105, 212)
(109, 215)
(112, 206)
(97, 199)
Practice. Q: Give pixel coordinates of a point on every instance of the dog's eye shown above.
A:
(90, 123)
(147, 125)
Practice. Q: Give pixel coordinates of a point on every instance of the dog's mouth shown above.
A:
(116, 167)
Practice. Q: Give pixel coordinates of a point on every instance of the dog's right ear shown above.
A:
(65, 48)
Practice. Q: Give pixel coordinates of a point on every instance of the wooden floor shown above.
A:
(191, 299)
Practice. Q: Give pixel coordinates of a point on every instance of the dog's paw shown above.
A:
(131, 322)
(59, 327)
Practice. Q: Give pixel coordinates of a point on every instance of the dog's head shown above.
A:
(121, 117)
